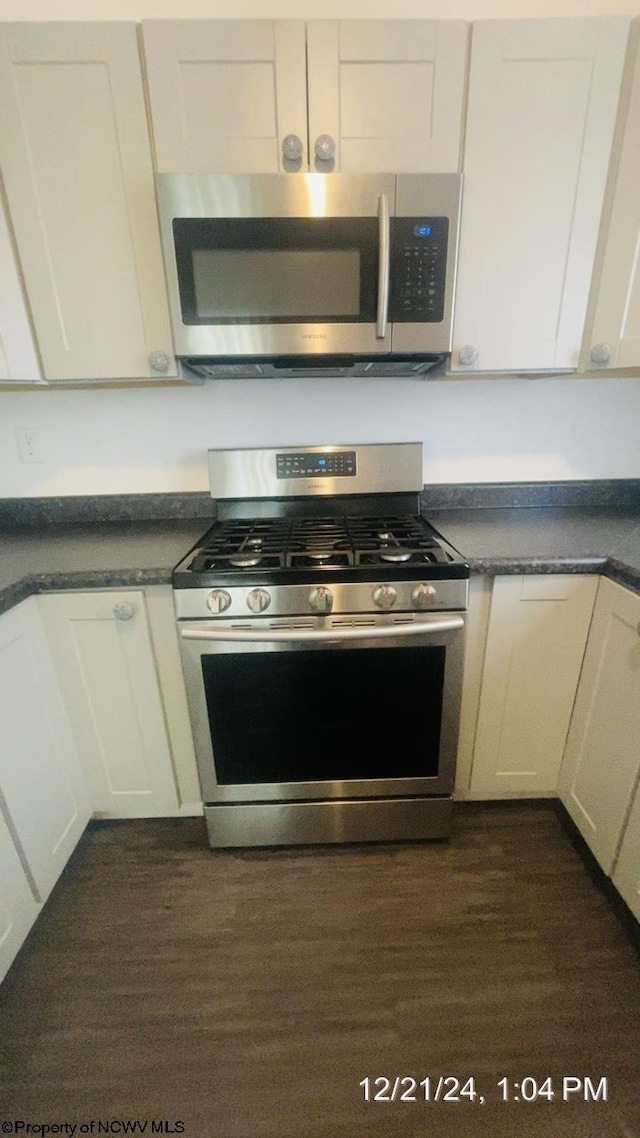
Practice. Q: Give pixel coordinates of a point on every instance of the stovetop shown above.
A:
(307, 549)
(318, 530)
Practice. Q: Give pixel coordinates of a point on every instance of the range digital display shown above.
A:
(332, 464)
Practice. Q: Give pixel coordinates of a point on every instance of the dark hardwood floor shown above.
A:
(247, 994)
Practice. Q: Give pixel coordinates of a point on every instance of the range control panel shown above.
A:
(330, 464)
(418, 269)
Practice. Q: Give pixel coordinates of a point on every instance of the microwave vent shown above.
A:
(303, 367)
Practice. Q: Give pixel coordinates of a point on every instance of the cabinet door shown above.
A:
(42, 787)
(225, 93)
(626, 875)
(18, 358)
(602, 757)
(102, 649)
(388, 92)
(615, 326)
(536, 639)
(542, 104)
(18, 906)
(76, 163)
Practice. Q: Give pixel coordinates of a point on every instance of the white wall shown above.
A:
(142, 440)
(145, 440)
(308, 9)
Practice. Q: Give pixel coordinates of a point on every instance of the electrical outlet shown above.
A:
(28, 444)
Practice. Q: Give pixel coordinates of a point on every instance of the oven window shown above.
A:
(277, 270)
(310, 716)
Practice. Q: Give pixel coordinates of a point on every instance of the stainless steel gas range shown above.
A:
(321, 622)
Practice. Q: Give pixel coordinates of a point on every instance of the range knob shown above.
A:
(218, 601)
(321, 599)
(258, 600)
(422, 596)
(385, 596)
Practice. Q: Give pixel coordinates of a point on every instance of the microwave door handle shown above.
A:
(284, 635)
(384, 266)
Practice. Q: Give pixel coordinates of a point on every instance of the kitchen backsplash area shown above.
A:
(136, 440)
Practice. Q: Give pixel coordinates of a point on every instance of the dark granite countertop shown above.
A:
(542, 527)
(550, 540)
(91, 555)
(109, 542)
(566, 527)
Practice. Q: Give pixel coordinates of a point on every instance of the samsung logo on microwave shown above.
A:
(313, 336)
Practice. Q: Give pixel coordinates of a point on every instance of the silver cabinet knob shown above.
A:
(321, 599)
(600, 354)
(325, 148)
(218, 601)
(159, 361)
(422, 595)
(123, 611)
(384, 596)
(468, 355)
(292, 147)
(258, 600)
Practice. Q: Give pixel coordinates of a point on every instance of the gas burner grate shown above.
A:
(317, 543)
(243, 545)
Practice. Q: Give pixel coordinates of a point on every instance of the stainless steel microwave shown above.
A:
(310, 274)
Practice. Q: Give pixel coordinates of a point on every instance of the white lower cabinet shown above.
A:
(104, 653)
(626, 875)
(18, 906)
(535, 641)
(602, 759)
(44, 802)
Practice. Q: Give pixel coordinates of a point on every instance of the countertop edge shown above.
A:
(510, 566)
(34, 584)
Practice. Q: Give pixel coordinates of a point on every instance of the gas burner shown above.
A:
(395, 555)
(245, 560)
(328, 560)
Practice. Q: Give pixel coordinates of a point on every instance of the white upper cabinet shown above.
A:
(18, 357)
(543, 97)
(613, 334)
(225, 93)
(354, 95)
(388, 93)
(76, 163)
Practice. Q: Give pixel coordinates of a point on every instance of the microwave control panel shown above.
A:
(418, 269)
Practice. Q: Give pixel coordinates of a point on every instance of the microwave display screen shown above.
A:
(294, 284)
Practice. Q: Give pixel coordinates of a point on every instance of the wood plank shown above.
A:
(248, 993)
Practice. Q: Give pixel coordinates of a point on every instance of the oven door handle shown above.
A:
(310, 635)
(384, 266)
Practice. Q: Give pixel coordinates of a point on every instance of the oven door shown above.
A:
(325, 711)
